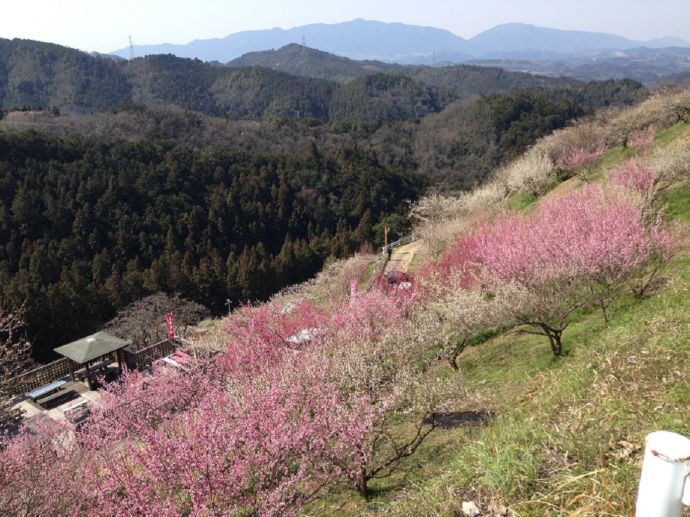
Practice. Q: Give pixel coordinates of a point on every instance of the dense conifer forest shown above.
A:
(88, 227)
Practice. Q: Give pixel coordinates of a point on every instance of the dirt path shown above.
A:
(402, 257)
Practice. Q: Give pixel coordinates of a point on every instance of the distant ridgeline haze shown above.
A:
(292, 83)
(516, 46)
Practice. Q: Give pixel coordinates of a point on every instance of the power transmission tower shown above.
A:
(131, 48)
(304, 41)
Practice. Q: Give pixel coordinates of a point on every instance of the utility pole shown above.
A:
(389, 251)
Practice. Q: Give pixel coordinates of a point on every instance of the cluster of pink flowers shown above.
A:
(635, 176)
(590, 232)
(585, 157)
(575, 250)
(642, 139)
(264, 428)
(267, 442)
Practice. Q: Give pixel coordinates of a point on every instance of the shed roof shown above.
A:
(91, 347)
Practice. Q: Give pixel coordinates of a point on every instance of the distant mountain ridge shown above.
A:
(298, 60)
(406, 44)
(520, 37)
(294, 82)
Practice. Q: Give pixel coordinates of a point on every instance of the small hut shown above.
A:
(85, 351)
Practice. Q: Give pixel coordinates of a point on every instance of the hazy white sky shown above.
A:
(105, 25)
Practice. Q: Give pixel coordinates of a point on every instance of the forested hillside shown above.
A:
(219, 182)
(308, 62)
(36, 75)
(87, 227)
(43, 75)
(544, 333)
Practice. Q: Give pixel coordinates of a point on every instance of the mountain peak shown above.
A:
(362, 39)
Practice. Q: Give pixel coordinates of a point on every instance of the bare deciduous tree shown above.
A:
(14, 358)
(144, 320)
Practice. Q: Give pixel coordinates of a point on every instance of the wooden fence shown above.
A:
(141, 359)
(39, 377)
(134, 358)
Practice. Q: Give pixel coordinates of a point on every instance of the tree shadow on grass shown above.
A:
(456, 419)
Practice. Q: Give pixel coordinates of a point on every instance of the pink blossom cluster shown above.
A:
(642, 139)
(593, 231)
(585, 157)
(634, 175)
(257, 335)
(576, 250)
(264, 428)
(457, 267)
(269, 442)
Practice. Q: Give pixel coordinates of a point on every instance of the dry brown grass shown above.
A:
(672, 163)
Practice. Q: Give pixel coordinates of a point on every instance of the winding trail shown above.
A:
(402, 257)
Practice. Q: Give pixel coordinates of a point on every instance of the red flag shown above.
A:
(169, 324)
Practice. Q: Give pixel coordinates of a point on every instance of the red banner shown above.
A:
(169, 324)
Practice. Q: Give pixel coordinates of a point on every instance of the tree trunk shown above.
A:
(362, 482)
(454, 354)
(555, 341)
(604, 310)
(600, 299)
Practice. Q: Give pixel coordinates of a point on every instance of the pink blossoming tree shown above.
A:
(642, 139)
(572, 251)
(581, 160)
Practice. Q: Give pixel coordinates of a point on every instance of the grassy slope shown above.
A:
(564, 436)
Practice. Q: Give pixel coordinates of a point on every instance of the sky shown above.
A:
(105, 25)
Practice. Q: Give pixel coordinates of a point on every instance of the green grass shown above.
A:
(566, 435)
(676, 203)
(560, 440)
(521, 201)
(671, 134)
(569, 432)
(611, 159)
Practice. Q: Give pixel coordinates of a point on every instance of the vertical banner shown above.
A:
(169, 324)
(353, 291)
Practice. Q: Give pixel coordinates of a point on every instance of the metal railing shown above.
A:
(400, 242)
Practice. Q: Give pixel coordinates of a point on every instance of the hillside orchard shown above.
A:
(310, 397)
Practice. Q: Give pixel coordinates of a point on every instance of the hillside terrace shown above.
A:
(64, 389)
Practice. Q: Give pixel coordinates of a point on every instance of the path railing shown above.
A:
(40, 376)
(400, 242)
(143, 358)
